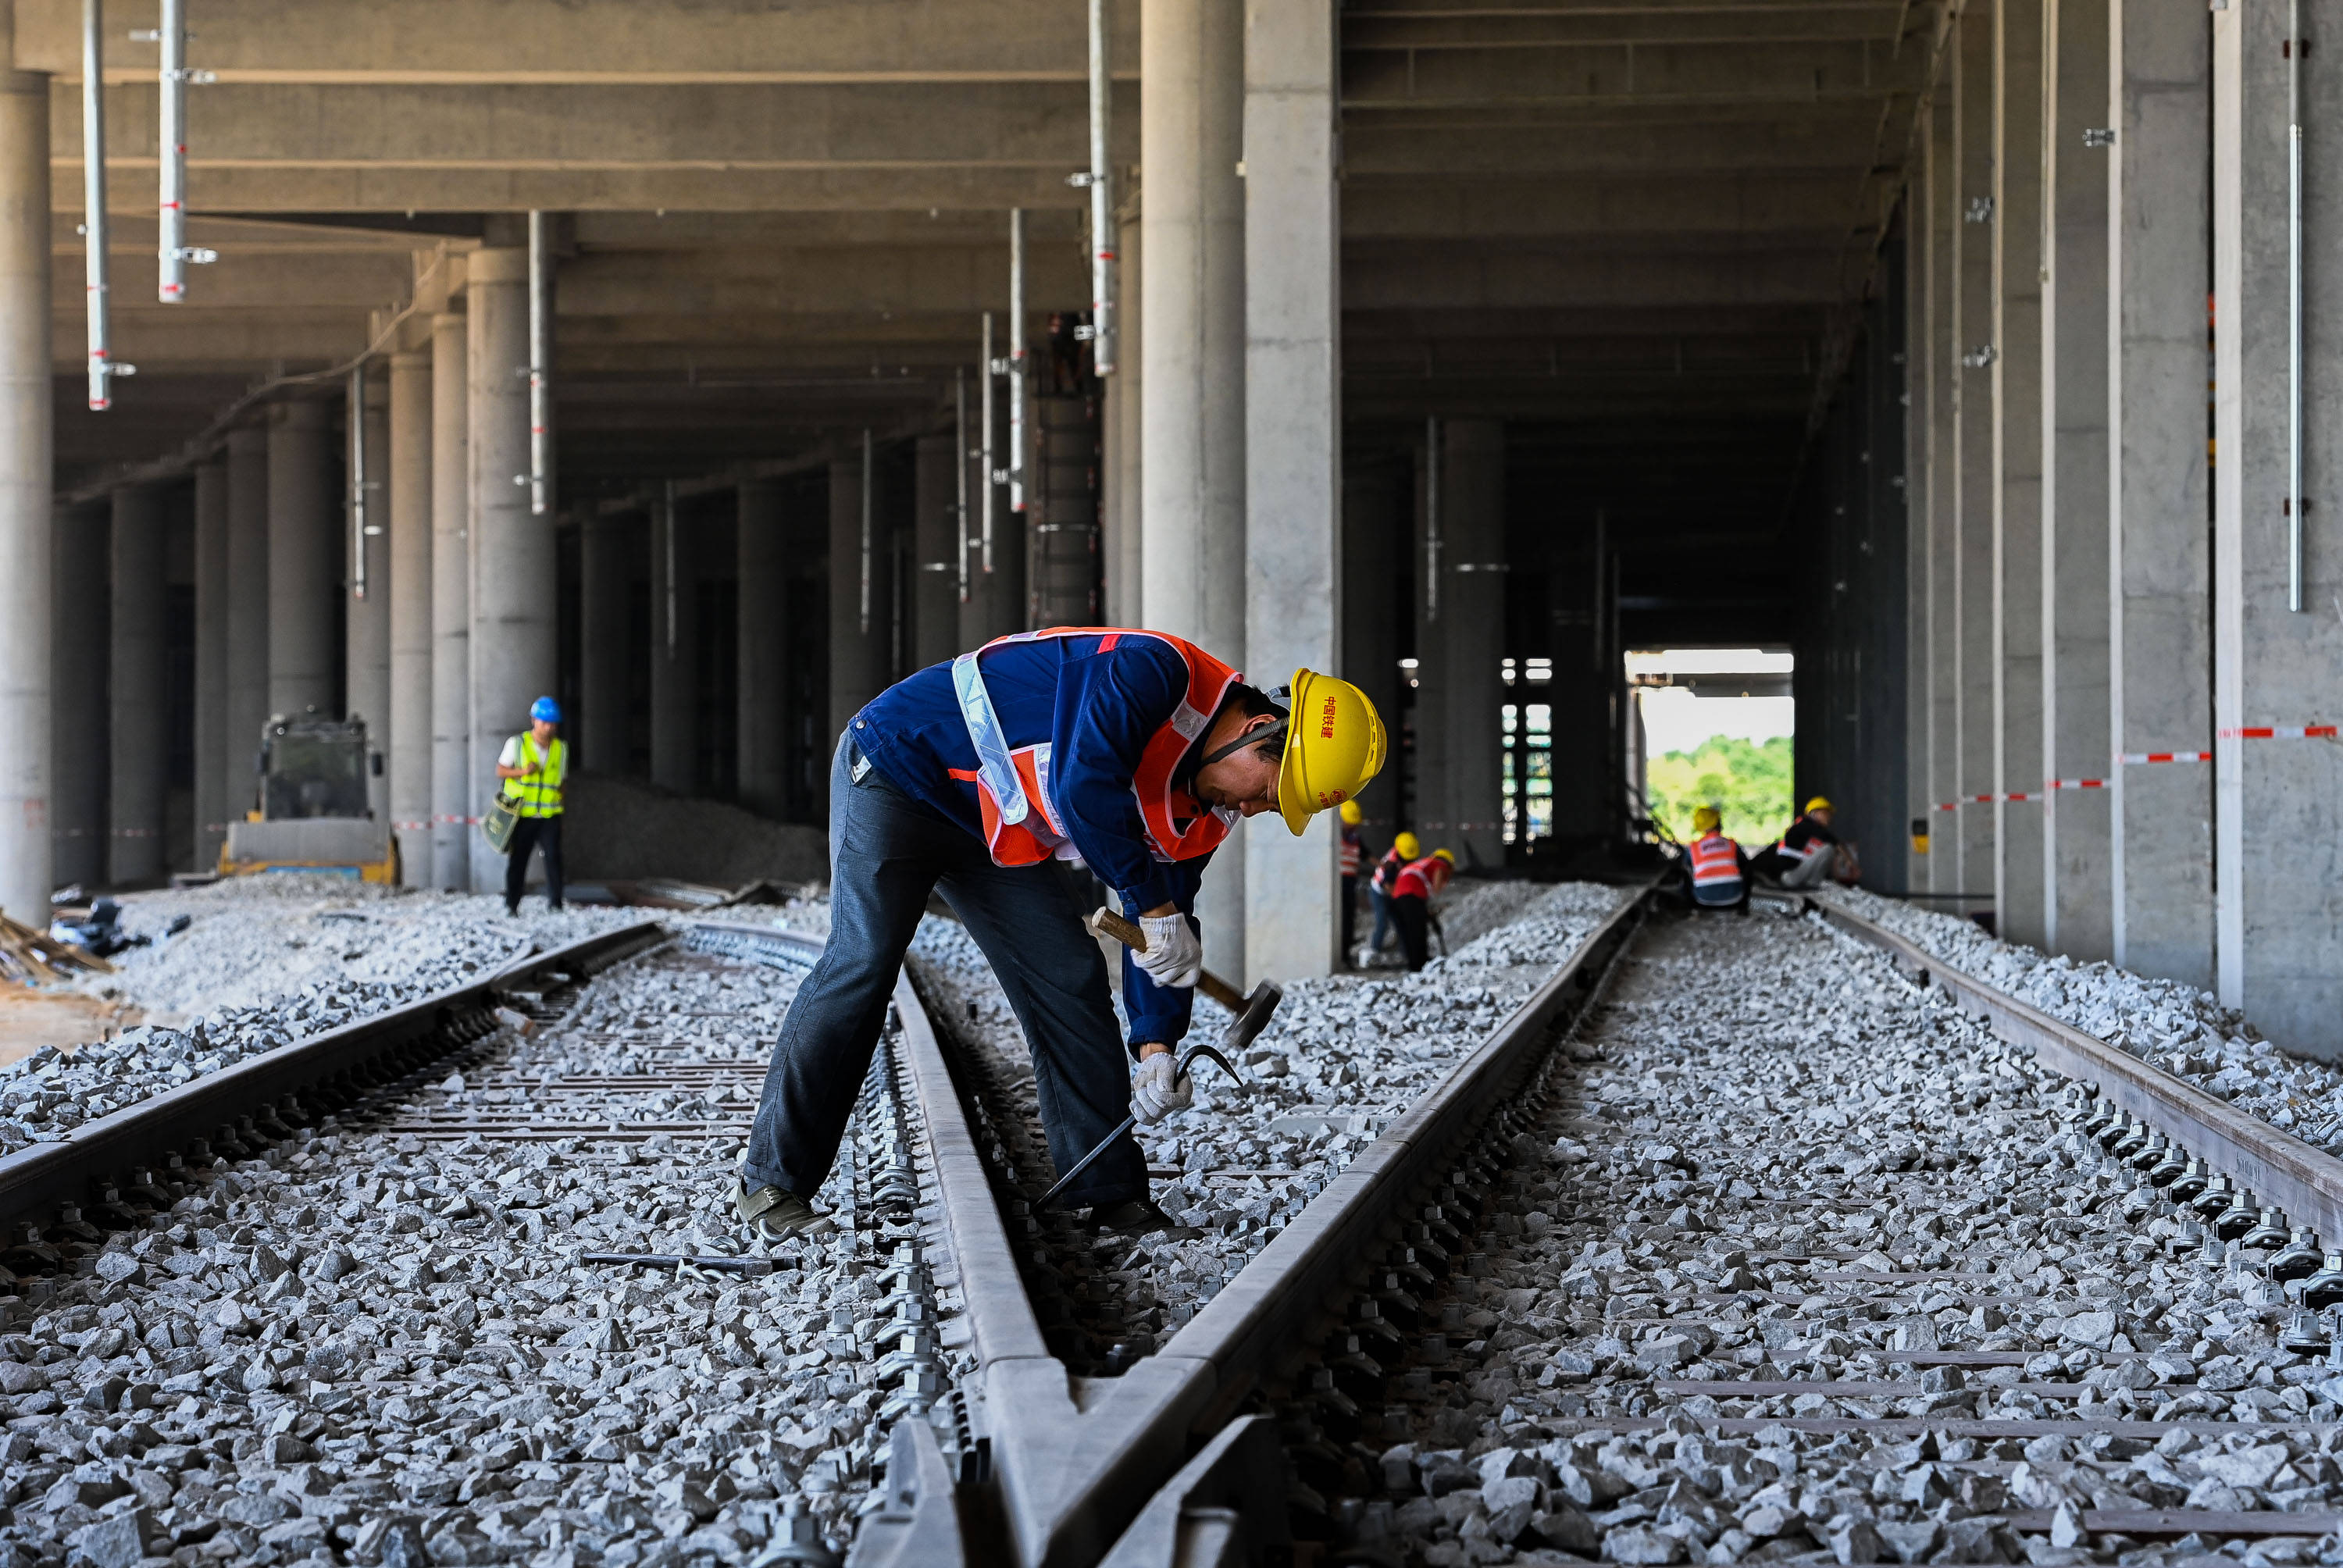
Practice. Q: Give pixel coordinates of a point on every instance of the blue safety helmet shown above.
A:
(545, 710)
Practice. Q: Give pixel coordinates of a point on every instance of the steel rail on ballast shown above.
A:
(38, 1178)
(2283, 1171)
(1122, 1470)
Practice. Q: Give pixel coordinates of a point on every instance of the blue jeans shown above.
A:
(1381, 902)
(886, 853)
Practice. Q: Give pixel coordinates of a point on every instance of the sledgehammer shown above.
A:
(1107, 923)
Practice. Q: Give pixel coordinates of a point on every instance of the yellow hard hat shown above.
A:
(1351, 814)
(1334, 743)
(1407, 846)
(1819, 803)
(1444, 853)
(1706, 817)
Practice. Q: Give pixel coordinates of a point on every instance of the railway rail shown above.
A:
(1296, 1411)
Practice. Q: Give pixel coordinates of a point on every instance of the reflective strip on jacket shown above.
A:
(1715, 861)
(1352, 851)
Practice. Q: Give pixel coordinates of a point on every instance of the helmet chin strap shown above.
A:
(1275, 732)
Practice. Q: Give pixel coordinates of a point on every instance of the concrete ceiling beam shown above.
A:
(1629, 73)
(1425, 31)
(1416, 280)
(1571, 207)
(460, 40)
(1820, 138)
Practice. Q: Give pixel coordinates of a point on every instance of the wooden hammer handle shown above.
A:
(1105, 922)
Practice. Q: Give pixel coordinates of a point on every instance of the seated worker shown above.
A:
(1133, 753)
(1807, 852)
(1353, 849)
(1404, 848)
(1716, 871)
(1412, 890)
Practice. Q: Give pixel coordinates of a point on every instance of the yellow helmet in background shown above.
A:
(1819, 803)
(1407, 846)
(1334, 743)
(1351, 814)
(1706, 818)
(1444, 853)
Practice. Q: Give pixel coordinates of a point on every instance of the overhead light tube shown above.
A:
(1103, 245)
(1017, 359)
(540, 363)
(93, 193)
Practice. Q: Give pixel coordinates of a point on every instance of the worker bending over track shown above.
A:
(1132, 752)
(1412, 890)
(1717, 872)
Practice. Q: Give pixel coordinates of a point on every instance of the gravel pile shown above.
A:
(1341, 1058)
(1773, 1161)
(264, 961)
(374, 1345)
(2186, 1031)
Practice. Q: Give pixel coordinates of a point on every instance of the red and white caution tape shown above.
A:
(2139, 758)
(2281, 732)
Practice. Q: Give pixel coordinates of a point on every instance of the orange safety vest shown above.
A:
(1351, 852)
(1021, 824)
(1714, 858)
(1415, 877)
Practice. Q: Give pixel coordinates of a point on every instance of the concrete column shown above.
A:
(1942, 359)
(601, 733)
(365, 624)
(1377, 502)
(1293, 442)
(1975, 585)
(1126, 392)
(26, 849)
(408, 516)
(764, 638)
(675, 626)
(1913, 390)
(79, 616)
(935, 560)
(1430, 810)
(859, 644)
(2076, 912)
(1062, 520)
(248, 617)
(451, 605)
(2017, 465)
(213, 747)
(1471, 641)
(2279, 942)
(1192, 228)
(304, 560)
(513, 581)
(138, 771)
(2160, 628)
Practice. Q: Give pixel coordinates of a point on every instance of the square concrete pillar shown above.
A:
(365, 621)
(1977, 491)
(1940, 370)
(26, 875)
(2159, 621)
(248, 617)
(2017, 232)
(1125, 441)
(304, 561)
(407, 738)
(2280, 912)
(1293, 442)
(2077, 913)
(675, 645)
(451, 605)
(78, 615)
(138, 755)
(764, 645)
(212, 747)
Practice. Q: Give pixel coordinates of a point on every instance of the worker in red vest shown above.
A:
(1133, 754)
(1353, 848)
(1716, 871)
(1412, 890)
(1404, 848)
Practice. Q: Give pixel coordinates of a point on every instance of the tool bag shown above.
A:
(498, 826)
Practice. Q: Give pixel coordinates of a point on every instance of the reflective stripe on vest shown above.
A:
(1387, 869)
(1414, 879)
(1022, 825)
(539, 794)
(1714, 858)
(1804, 852)
(1350, 852)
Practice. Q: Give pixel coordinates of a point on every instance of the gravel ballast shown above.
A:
(2184, 1030)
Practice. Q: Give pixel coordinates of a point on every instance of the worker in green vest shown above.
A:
(532, 767)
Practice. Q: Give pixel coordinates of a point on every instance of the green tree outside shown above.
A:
(1749, 782)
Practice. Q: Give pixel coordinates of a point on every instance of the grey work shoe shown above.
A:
(774, 1215)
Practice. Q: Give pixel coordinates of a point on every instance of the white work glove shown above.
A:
(1158, 1088)
(1173, 955)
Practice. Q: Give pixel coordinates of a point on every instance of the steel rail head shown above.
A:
(2287, 1173)
(36, 1179)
